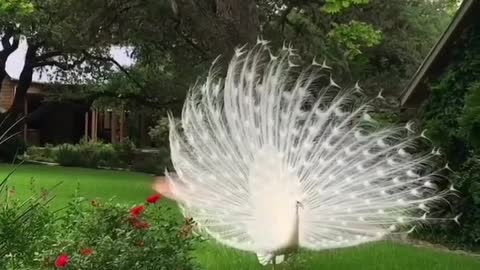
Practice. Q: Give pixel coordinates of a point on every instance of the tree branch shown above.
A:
(47, 55)
(6, 38)
(8, 47)
(189, 40)
(283, 18)
(115, 62)
(63, 66)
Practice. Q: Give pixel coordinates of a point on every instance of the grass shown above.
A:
(133, 188)
(374, 256)
(127, 187)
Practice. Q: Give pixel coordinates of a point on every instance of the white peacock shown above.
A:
(269, 161)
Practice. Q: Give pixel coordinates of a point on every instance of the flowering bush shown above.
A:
(92, 235)
(111, 236)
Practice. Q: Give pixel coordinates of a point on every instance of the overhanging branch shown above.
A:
(117, 64)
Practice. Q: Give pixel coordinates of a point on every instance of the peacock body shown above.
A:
(271, 158)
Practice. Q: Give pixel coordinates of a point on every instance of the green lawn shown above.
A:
(133, 188)
(376, 256)
(128, 187)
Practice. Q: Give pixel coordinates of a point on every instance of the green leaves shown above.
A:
(470, 119)
(16, 7)
(452, 120)
(336, 6)
(354, 36)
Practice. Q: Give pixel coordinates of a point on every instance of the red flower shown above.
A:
(137, 210)
(86, 251)
(141, 225)
(153, 199)
(62, 261)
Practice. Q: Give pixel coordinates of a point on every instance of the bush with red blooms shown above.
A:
(112, 236)
(100, 236)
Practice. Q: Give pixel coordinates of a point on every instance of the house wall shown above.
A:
(6, 94)
(62, 122)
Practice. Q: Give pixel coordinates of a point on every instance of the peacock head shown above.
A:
(299, 205)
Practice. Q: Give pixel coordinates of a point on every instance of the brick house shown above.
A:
(68, 122)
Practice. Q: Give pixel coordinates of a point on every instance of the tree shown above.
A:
(171, 50)
(9, 33)
(373, 41)
(76, 35)
(362, 40)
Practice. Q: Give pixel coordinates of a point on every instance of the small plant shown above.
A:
(68, 155)
(125, 152)
(152, 162)
(26, 226)
(90, 152)
(104, 156)
(159, 133)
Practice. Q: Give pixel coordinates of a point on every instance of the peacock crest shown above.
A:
(270, 158)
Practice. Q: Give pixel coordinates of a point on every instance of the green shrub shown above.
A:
(106, 156)
(125, 152)
(118, 240)
(68, 155)
(90, 152)
(26, 227)
(161, 160)
(469, 121)
(451, 117)
(159, 133)
(44, 154)
(152, 162)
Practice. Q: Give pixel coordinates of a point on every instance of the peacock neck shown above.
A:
(296, 224)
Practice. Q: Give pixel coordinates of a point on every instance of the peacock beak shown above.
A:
(299, 204)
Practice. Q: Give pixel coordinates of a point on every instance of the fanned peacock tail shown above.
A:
(269, 135)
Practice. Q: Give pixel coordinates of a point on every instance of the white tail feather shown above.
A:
(262, 141)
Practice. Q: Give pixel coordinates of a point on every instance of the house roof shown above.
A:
(437, 59)
(16, 60)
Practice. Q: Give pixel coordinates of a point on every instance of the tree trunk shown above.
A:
(8, 48)
(24, 82)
